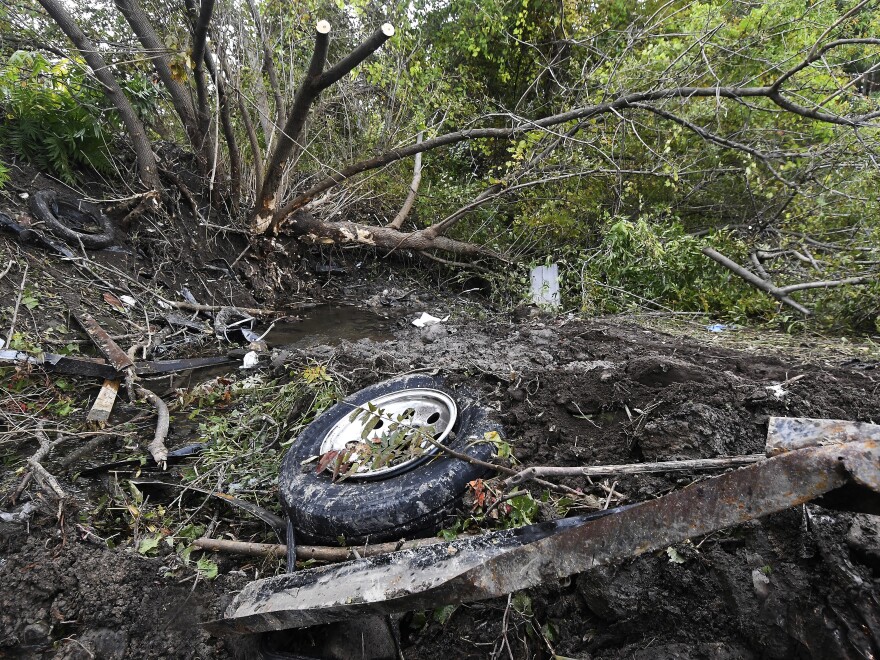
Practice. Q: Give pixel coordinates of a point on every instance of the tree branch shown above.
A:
(581, 114)
(268, 67)
(314, 83)
(410, 200)
(754, 280)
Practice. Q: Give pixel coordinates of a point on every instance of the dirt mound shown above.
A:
(803, 583)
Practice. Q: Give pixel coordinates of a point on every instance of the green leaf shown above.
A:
(148, 544)
(443, 614)
(207, 568)
(674, 556)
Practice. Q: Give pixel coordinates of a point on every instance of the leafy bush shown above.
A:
(650, 263)
(52, 117)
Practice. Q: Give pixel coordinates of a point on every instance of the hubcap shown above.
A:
(421, 406)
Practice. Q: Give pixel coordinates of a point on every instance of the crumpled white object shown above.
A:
(426, 319)
(777, 390)
(250, 360)
(128, 300)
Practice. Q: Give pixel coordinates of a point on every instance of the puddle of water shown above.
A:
(330, 325)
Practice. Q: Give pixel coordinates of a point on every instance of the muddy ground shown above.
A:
(568, 391)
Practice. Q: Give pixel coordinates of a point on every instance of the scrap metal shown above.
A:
(109, 348)
(470, 570)
(81, 366)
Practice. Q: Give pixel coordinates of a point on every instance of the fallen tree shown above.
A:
(281, 181)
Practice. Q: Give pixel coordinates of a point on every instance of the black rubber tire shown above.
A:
(59, 213)
(410, 504)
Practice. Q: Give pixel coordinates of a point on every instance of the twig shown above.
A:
(41, 473)
(17, 304)
(529, 474)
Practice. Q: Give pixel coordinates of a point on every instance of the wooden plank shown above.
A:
(100, 411)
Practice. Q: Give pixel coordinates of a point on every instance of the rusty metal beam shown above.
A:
(464, 571)
(109, 348)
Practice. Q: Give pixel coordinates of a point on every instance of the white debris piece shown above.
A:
(426, 319)
(777, 390)
(250, 360)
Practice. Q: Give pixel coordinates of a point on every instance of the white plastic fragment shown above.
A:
(426, 319)
(128, 300)
(250, 360)
(777, 390)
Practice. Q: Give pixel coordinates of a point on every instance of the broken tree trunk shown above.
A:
(316, 80)
(305, 224)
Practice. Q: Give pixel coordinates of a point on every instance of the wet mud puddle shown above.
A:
(331, 324)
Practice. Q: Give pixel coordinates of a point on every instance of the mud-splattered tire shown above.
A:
(63, 216)
(402, 505)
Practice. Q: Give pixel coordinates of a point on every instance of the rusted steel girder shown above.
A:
(463, 571)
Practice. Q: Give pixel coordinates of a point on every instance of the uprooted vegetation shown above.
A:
(567, 392)
(689, 168)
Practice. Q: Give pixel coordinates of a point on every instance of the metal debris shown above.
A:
(496, 564)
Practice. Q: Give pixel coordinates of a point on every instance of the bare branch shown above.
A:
(397, 223)
(754, 280)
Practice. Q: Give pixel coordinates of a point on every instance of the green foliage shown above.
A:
(52, 117)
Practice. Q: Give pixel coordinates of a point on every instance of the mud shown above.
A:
(801, 584)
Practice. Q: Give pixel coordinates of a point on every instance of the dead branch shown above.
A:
(529, 474)
(157, 447)
(307, 552)
(863, 279)
(42, 474)
(17, 304)
(754, 280)
(255, 311)
(410, 200)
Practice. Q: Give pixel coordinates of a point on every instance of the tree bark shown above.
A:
(156, 50)
(146, 159)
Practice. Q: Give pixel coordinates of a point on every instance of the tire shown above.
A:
(410, 504)
(59, 214)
